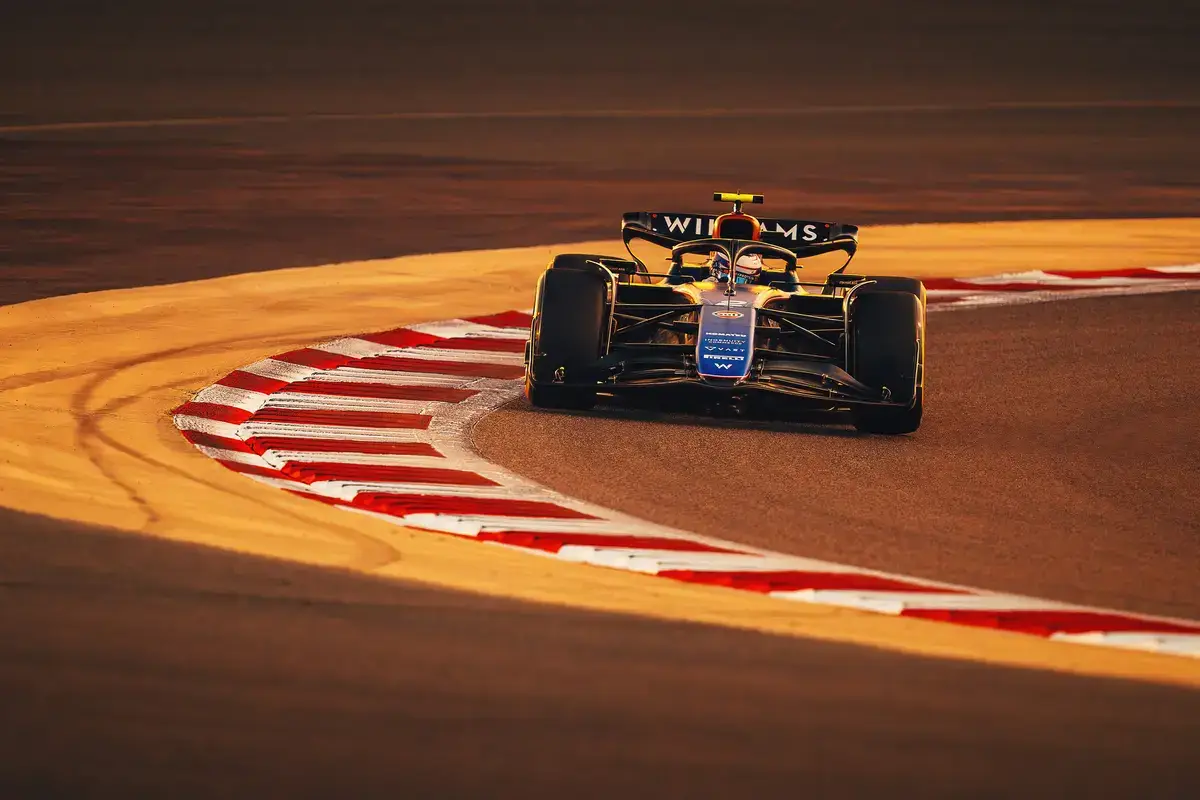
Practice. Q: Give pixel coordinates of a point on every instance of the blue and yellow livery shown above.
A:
(730, 323)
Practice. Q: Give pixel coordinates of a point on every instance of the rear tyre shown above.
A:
(566, 337)
(888, 350)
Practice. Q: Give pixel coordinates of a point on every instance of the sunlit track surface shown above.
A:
(379, 424)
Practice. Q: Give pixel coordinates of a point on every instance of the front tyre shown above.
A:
(888, 351)
(566, 338)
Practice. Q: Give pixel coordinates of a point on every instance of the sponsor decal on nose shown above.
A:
(728, 314)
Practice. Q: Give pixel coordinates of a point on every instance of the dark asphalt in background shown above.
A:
(136, 667)
(96, 210)
(91, 209)
(131, 666)
(68, 59)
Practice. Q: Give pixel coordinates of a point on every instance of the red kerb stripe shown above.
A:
(213, 411)
(1064, 286)
(254, 383)
(400, 337)
(1072, 285)
(337, 417)
(794, 580)
(505, 319)
(398, 364)
(402, 504)
(488, 345)
(950, 284)
(261, 444)
(1047, 622)
(326, 499)
(1130, 272)
(383, 391)
(317, 359)
(210, 440)
(251, 469)
(309, 472)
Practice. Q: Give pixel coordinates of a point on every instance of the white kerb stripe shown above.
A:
(349, 489)
(221, 454)
(255, 427)
(213, 427)
(220, 395)
(279, 370)
(655, 561)
(353, 374)
(461, 329)
(896, 602)
(470, 356)
(473, 524)
(380, 460)
(329, 402)
(355, 347)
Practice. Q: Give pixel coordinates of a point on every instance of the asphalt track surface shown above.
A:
(138, 666)
(1058, 458)
(132, 665)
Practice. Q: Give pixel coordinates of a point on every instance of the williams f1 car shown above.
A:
(730, 322)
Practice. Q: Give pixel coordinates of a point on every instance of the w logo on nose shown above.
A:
(723, 366)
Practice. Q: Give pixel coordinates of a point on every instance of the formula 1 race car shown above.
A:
(729, 322)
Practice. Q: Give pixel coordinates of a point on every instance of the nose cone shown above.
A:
(725, 344)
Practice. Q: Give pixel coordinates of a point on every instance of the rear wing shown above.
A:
(802, 237)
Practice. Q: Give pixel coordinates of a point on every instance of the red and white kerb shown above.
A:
(378, 424)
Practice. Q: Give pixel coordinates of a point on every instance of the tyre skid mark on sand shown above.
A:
(98, 445)
(405, 456)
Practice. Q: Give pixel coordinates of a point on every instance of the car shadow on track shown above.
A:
(816, 423)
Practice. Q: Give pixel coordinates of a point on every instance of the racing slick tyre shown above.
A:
(620, 266)
(891, 283)
(888, 343)
(575, 261)
(566, 337)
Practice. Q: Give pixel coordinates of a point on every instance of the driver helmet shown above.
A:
(745, 271)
